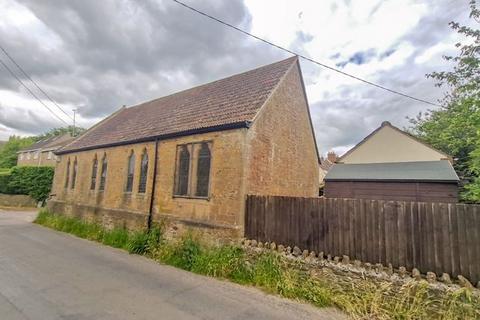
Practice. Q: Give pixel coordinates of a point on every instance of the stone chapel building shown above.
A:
(192, 157)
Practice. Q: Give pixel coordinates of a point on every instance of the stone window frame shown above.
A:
(130, 172)
(143, 176)
(94, 174)
(103, 174)
(180, 151)
(206, 158)
(193, 148)
(35, 155)
(67, 174)
(74, 174)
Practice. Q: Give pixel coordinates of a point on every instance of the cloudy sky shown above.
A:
(96, 56)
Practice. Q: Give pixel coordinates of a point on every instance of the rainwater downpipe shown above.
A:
(152, 195)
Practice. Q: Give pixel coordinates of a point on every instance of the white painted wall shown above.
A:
(390, 145)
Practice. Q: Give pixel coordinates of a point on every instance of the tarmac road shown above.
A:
(45, 274)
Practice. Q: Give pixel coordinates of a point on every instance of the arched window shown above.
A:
(93, 181)
(103, 175)
(67, 174)
(142, 185)
(130, 172)
(183, 170)
(203, 171)
(74, 174)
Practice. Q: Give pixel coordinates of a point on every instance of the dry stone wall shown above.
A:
(344, 266)
(17, 200)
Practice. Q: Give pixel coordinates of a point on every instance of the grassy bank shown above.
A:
(360, 298)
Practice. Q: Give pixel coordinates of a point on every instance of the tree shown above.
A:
(455, 127)
(59, 131)
(8, 153)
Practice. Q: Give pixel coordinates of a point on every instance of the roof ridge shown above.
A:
(294, 58)
(393, 162)
(272, 92)
(222, 104)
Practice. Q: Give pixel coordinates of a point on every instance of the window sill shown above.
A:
(134, 195)
(191, 197)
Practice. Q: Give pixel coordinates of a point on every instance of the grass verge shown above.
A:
(136, 242)
(361, 298)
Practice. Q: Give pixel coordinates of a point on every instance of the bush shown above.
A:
(33, 181)
(43, 218)
(5, 177)
(5, 170)
(117, 238)
(181, 254)
(142, 242)
(228, 262)
(268, 271)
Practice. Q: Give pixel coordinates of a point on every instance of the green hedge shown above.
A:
(33, 181)
(4, 179)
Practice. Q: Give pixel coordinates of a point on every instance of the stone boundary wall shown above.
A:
(346, 267)
(17, 201)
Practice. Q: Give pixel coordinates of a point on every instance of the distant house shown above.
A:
(192, 157)
(390, 164)
(42, 153)
(326, 164)
(388, 143)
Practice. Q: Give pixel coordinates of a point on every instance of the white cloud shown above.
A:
(99, 55)
(392, 43)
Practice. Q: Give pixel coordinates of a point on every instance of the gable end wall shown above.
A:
(390, 145)
(282, 156)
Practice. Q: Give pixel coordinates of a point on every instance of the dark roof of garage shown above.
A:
(427, 171)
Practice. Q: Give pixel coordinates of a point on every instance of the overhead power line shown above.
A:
(305, 57)
(31, 92)
(36, 85)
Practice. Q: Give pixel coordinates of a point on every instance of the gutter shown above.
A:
(222, 127)
(390, 180)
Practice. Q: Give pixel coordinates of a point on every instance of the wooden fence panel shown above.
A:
(476, 215)
(471, 234)
(462, 239)
(437, 237)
